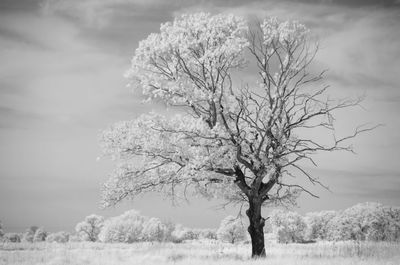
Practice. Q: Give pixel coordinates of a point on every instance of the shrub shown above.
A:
(12, 237)
(40, 235)
(59, 237)
(29, 234)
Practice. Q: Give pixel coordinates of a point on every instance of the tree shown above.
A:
(208, 233)
(126, 228)
(154, 230)
(29, 234)
(1, 230)
(288, 226)
(89, 229)
(239, 143)
(40, 235)
(363, 221)
(317, 224)
(181, 233)
(231, 230)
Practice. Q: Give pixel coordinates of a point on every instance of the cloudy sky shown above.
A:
(61, 67)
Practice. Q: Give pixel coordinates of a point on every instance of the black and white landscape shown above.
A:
(203, 132)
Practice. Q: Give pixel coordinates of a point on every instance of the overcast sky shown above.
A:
(61, 67)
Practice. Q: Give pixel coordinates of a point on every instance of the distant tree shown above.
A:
(208, 234)
(59, 237)
(154, 230)
(241, 143)
(288, 226)
(317, 224)
(1, 230)
(126, 228)
(40, 235)
(181, 233)
(89, 229)
(364, 221)
(393, 231)
(170, 227)
(231, 230)
(29, 234)
(12, 237)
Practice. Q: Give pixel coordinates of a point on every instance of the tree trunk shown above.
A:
(256, 228)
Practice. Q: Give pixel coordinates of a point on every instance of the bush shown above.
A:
(29, 234)
(231, 230)
(89, 229)
(59, 237)
(12, 237)
(126, 228)
(40, 235)
(288, 226)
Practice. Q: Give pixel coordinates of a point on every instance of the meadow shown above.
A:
(199, 253)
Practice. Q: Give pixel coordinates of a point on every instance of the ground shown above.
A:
(198, 253)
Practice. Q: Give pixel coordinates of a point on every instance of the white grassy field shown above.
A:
(198, 253)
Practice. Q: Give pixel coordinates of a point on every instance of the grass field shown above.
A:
(198, 253)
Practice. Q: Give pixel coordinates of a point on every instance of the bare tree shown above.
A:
(241, 143)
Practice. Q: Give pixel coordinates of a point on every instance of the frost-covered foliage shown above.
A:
(362, 222)
(154, 230)
(29, 234)
(89, 229)
(288, 226)
(40, 235)
(12, 237)
(231, 230)
(163, 61)
(126, 228)
(59, 237)
(365, 221)
(236, 142)
(188, 64)
(317, 224)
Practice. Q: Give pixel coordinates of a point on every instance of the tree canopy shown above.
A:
(239, 142)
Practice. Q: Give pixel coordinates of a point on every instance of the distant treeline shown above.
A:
(362, 222)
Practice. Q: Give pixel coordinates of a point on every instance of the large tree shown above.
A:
(238, 142)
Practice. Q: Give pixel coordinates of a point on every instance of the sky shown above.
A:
(61, 83)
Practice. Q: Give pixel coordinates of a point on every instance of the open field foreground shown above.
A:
(194, 253)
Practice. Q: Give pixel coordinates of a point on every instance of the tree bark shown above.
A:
(256, 228)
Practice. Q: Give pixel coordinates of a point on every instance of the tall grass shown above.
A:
(199, 253)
